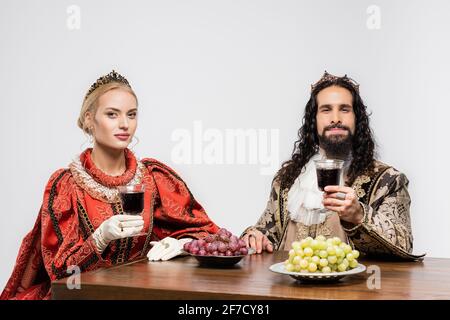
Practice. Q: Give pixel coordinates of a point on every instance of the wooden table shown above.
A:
(182, 278)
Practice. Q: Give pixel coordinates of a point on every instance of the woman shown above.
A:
(81, 222)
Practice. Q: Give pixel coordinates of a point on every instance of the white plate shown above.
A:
(279, 268)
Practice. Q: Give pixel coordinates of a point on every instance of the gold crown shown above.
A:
(113, 76)
(327, 77)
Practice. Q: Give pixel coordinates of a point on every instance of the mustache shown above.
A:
(336, 126)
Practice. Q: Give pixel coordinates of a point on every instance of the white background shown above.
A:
(229, 64)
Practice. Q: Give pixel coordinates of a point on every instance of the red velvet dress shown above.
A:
(77, 200)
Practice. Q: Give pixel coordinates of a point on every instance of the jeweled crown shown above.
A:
(113, 76)
(327, 77)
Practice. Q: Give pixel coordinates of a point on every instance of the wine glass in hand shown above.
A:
(132, 199)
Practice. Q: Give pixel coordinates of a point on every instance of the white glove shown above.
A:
(117, 227)
(166, 249)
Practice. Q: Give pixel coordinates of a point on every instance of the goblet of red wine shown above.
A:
(132, 199)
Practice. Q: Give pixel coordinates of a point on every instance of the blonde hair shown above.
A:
(90, 103)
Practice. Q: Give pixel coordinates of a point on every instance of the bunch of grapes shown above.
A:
(321, 255)
(223, 243)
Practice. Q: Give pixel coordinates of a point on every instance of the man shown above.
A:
(370, 209)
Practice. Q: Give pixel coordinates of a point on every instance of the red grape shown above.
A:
(244, 251)
(201, 243)
(223, 243)
(234, 246)
(194, 250)
(222, 247)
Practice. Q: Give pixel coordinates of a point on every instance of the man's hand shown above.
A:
(256, 240)
(344, 201)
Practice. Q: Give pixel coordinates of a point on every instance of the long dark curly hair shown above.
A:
(307, 145)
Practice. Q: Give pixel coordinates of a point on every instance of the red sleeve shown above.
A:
(63, 244)
(176, 212)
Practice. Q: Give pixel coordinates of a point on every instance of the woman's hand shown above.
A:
(117, 227)
(256, 240)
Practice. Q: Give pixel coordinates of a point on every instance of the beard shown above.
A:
(336, 146)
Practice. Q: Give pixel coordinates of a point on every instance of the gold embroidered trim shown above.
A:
(357, 185)
(282, 230)
(85, 217)
(97, 190)
(302, 232)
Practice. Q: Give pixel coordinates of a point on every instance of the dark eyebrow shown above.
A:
(117, 110)
(325, 106)
(344, 105)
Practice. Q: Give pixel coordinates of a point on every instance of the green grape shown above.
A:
(312, 267)
(321, 238)
(292, 253)
(322, 245)
(347, 249)
(296, 245)
(315, 259)
(331, 251)
(323, 254)
(323, 262)
(345, 261)
(304, 243)
(326, 270)
(342, 267)
(286, 262)
(304, 263)
(290, 267)
(336, 241)
(308, 251)
(332, 259)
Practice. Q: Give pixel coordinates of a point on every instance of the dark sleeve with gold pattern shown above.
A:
(386, 227)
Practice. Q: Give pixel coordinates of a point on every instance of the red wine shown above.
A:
(328, 177)
(132, 202)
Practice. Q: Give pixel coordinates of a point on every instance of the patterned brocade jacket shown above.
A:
(385, 230)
